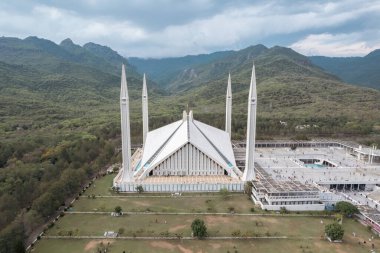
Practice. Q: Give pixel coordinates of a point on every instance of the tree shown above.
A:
(346, 208)
(139, 189)
(199, 229)
(334, 231)
(118, 209)
(248, 188)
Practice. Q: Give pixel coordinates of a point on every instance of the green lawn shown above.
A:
(221, 225)
(163, 246)
(305, 234)
(240, 203)
(101, 186)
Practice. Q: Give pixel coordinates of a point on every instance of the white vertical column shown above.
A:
(249, 172)
(228, 106)
(125, 128)
(145, 110)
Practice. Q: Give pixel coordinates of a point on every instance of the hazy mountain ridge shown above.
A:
(361, 71)
(46, 55)
(193, 75)
(163, 70)
(289, 84)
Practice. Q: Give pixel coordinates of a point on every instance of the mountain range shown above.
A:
(290, 87)
(362, 71)
(44, 85)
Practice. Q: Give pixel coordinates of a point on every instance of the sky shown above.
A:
(168, 28)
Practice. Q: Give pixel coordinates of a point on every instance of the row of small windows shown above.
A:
(293, 202)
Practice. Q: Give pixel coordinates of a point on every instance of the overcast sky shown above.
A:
(161, 28)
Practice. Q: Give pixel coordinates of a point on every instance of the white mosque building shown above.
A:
(186, 155)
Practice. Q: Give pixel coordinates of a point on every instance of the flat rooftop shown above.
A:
(266, 183)
(282, 163)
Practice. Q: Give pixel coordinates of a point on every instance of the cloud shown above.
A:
(335, 45)
(174, 28)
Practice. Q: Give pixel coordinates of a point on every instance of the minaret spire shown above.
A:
(145, 110)
(228, 106)
(125, 128)
(249, 172)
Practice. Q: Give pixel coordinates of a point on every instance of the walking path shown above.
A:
(157, 196)
(229, 214)
(169, 237)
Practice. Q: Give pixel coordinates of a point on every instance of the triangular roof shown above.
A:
(164, 141)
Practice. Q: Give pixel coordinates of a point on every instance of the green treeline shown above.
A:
(37, 179)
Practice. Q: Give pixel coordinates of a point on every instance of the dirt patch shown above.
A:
(270, 220)
(338, 247)
(94, 243)
(216, 220)
(169, 246)
(184, 250)
(141, 203)
(162, 245)
(176, 228)
(215, 245)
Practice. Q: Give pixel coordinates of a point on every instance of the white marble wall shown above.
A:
(188, 161)
(178, 187)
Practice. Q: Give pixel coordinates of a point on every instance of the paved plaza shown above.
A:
(284, 164)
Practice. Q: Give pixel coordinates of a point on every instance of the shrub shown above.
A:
(236, 233)
(334, 231)
(120, 231)
(248, 188)
(283, 210)
(199, 229)
(118, 209)
(139, 189)
(223, 192)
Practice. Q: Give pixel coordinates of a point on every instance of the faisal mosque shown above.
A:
(186, 155)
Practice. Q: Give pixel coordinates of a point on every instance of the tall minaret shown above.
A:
(145, 110)
(125, 128)
(249, 172)
(228, 106)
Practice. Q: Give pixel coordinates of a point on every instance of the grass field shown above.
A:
(221, 225)
(213, 246)
(211, 204)
(101, 186)
(304, 234)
